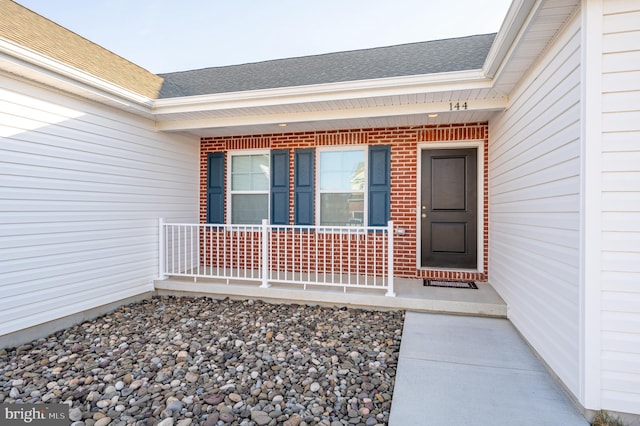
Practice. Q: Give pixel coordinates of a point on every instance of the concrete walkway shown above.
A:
(458, 370)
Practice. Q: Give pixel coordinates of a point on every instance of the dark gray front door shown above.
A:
(448, 208)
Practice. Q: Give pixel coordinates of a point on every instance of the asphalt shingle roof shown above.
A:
(430, 57)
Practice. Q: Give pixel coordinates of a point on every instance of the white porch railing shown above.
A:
(359, 257)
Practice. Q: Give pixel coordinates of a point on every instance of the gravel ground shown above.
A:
(197, 361)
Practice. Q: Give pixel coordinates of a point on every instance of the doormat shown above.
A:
(450, 284)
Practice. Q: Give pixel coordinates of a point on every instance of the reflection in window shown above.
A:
(342, 184)
(249, 188)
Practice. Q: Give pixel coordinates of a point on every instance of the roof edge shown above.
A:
(519, 12)
(326, 91)
(64, 76)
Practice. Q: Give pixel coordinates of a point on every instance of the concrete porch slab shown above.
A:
(410, 295)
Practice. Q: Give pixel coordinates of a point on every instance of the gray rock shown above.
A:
(174, 405)
(191, 377)
(103, 421)
(260, 417)
(103, 403)
(75, 414)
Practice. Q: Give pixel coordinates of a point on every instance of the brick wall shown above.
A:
(404, 185)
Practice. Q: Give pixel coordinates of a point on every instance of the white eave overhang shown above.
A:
(26, 63)
(344, 104)
(394, 86)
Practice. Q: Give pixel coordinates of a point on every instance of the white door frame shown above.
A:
(479, 145)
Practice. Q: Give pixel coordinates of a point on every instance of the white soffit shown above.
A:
(343, 124)
(529, 27)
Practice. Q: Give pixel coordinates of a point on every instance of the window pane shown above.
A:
(260, 182)
(241, 163)
(260, 164)
(342, 209)
(342, 170)
(250, 172)
(240, 182)
(249, 208)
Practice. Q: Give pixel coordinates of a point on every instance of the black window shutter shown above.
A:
(379, 184)
(215, 187)
(280, 187)
(303, 186)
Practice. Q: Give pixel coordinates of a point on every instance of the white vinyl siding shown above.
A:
(82, 187)
(534, 207)
(621, 207)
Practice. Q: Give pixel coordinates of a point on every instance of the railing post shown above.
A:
(265, 254)
(161, 250)
(390, 291)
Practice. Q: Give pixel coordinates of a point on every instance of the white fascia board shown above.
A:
(510, 31)
(393, 86)
(17, 59)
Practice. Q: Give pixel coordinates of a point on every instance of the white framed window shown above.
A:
(342, 192)
(249, 187)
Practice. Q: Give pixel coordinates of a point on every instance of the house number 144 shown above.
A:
(457, 106)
